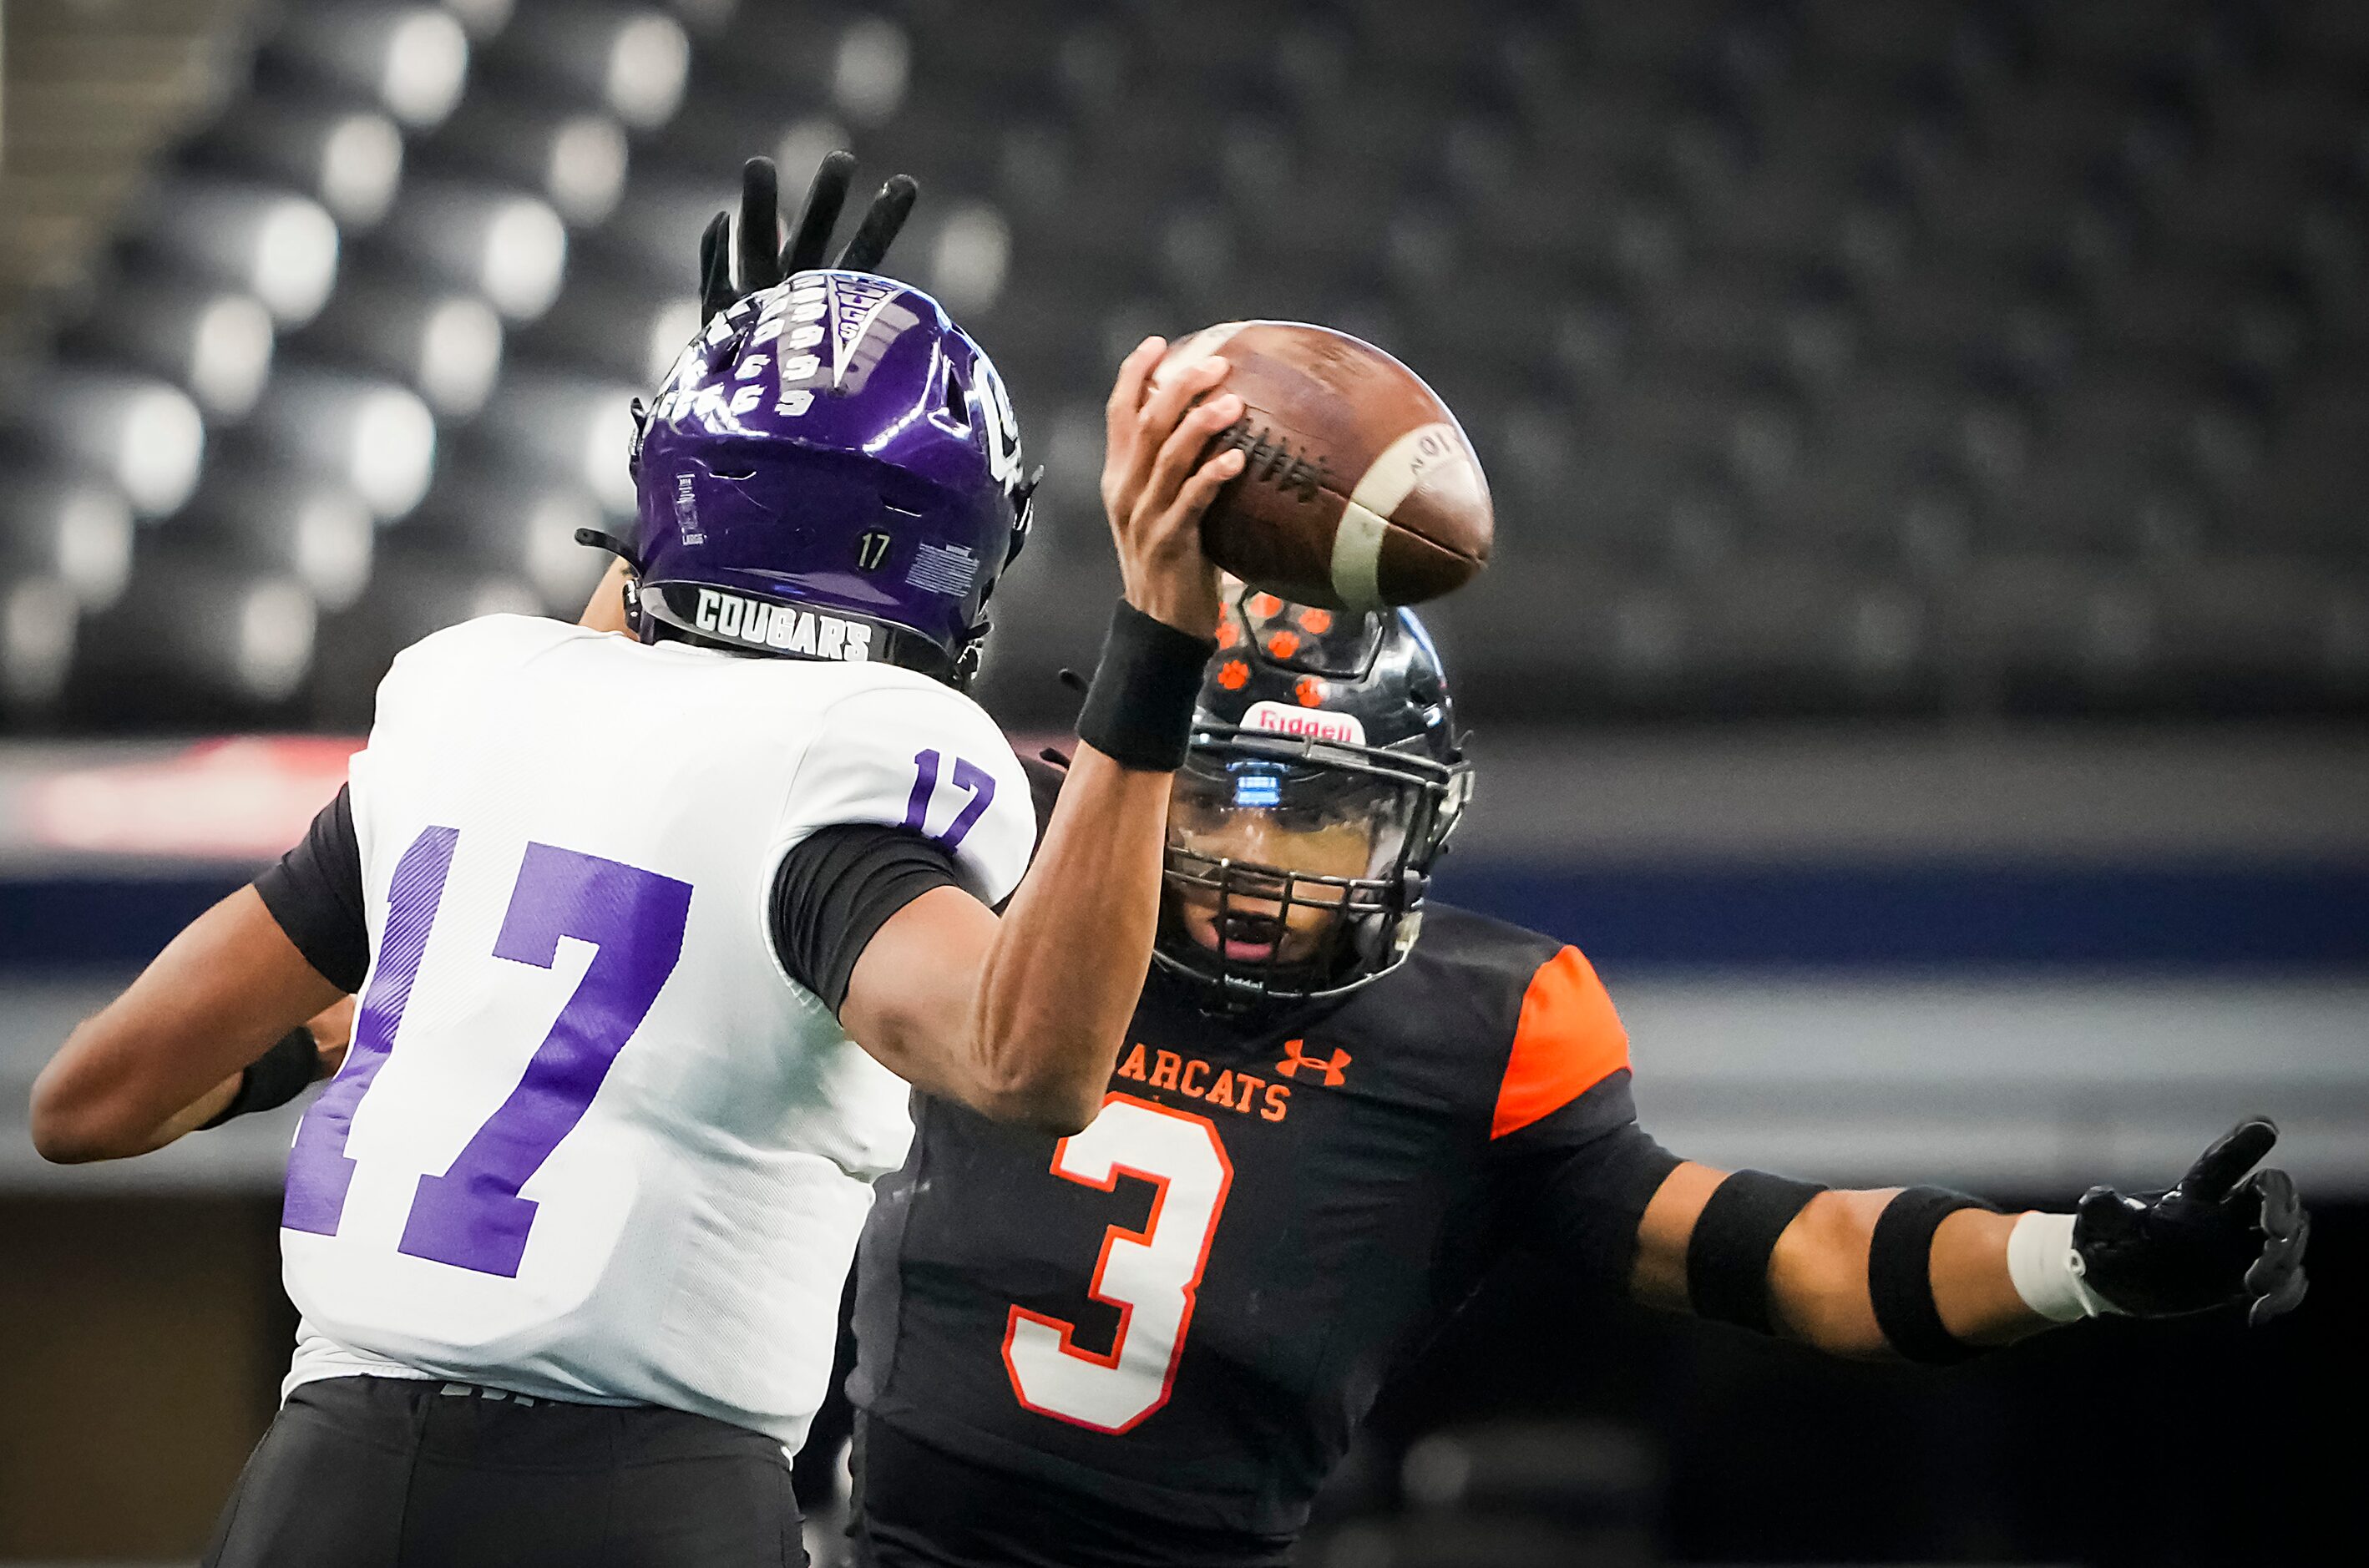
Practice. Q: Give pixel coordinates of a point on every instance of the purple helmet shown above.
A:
(832, 471)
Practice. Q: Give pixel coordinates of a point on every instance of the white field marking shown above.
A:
(1358, 557)
(1394, 475)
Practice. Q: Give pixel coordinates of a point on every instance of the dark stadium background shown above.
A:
(1925, 663)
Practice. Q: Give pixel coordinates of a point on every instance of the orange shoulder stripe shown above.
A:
(1568, 1041)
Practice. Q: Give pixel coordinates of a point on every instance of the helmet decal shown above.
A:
(1001, 427)
(1276, 719)
(782, 628)
(836, 445)
(950, 569)
(869, 320)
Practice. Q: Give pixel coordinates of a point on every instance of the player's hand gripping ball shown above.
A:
(1358, 489)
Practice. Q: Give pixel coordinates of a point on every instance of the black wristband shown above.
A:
(1139, 712)
(276, 1076)
(1900, 1275)
(1734, 1236)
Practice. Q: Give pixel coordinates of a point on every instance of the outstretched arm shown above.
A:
(171, 1053)
(211, 1029)
(1819, 1289)
(1935, 1275)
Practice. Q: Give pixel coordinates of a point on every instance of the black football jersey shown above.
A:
(1183, 1311)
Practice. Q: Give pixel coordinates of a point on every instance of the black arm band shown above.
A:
(1900, 1274)
(1139, 712)
(835, 890)
(1734, 1236)
(276, 1076)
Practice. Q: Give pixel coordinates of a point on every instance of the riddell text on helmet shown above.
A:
(1308, 724)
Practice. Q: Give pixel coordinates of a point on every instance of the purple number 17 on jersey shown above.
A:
(472, 1216)
(969, 776)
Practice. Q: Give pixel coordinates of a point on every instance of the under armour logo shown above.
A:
(1295, 1057)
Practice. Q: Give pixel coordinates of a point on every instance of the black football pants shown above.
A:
(388, 1473)
(916, 1507)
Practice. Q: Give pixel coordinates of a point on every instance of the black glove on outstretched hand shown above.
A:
(762, 266)
(2218, 1238)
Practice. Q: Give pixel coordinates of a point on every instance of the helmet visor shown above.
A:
(1291, 819)
(1280, 873)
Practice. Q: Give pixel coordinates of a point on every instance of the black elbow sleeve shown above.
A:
(315, 891)
(835, 890)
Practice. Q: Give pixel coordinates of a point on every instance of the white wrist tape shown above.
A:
(2047, 1271)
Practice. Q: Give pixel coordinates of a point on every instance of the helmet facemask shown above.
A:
(1295, 866)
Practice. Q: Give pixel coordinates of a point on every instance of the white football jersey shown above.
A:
(590, 1141)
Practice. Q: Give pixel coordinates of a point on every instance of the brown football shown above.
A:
(1360, 488)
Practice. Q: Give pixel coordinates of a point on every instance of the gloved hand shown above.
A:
(762, 266)
(2219, 1236)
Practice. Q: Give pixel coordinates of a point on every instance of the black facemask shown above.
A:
(1295, 866)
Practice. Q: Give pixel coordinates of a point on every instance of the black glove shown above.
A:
(2219, 1236)
(762, 266)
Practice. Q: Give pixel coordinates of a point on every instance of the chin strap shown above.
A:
(972, 655)
(594, 538)
(1024, 514)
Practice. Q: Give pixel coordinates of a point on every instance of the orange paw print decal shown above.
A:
(1283, 645)
(1309, 691)
(1233, 675)
(1316, 623)
(1264, 605)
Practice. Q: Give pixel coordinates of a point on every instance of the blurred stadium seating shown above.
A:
(1830, 356)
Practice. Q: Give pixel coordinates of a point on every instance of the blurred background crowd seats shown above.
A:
(1858, 357)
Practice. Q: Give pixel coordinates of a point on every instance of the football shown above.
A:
(1360, 488)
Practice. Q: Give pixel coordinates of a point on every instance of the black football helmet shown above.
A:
(1328, 736)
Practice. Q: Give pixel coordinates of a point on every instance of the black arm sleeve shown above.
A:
(1591, 1207)
(837, 889)
(315, 891)
(1575, 1186)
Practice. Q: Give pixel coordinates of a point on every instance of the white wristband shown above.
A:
(2047, 1271)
